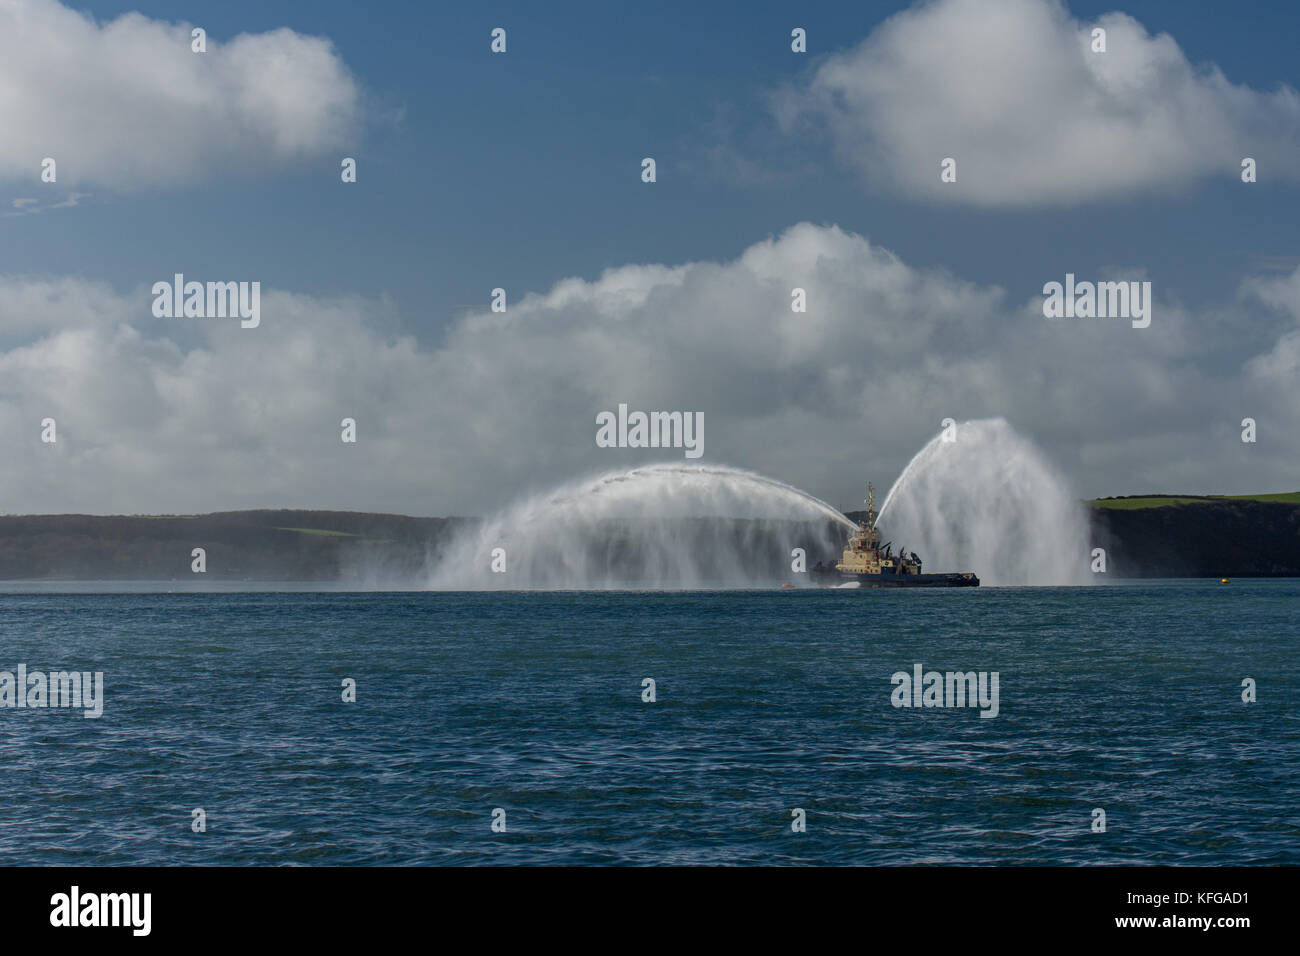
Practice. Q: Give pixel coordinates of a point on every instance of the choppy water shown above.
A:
(1125, 698)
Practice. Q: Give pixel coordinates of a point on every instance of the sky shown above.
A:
(522, 170)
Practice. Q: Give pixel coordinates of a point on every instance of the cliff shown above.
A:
(1199, 537)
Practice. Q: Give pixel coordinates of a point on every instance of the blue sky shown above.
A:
(519, 170)
(477, 171)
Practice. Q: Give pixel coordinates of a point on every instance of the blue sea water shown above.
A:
(1125, 698)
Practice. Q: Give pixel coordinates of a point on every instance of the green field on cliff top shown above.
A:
(1161, 501)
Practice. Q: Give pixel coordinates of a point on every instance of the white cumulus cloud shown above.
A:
(189, 415)
(127, 103)
(1013, 91)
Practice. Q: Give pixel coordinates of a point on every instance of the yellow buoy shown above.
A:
(1224, 581)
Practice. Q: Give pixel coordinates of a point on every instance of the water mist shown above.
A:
(667, 525)
(989, 502)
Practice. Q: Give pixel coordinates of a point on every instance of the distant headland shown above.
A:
(1144, 536)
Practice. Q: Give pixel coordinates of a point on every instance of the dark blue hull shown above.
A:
(834, 578)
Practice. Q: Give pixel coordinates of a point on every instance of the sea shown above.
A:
(1151, 722)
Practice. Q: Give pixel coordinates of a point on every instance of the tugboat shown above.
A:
(871, 566)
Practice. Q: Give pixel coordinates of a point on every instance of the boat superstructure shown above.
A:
(869, 564)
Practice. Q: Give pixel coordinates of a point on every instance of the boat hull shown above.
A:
(836, 578)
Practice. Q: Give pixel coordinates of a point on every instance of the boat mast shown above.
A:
(867, 534)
